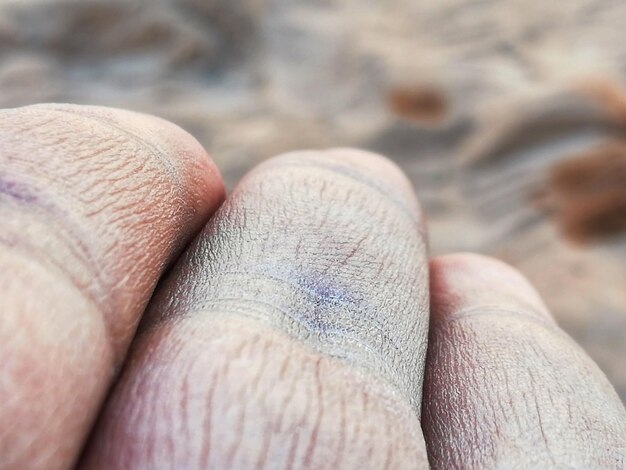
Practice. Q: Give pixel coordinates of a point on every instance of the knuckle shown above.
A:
(84, 189)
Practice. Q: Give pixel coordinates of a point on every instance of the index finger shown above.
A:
(94, 205)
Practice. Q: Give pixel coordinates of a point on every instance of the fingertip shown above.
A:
(463, 282)
(186, 162)
(362, 171)
(368, 162)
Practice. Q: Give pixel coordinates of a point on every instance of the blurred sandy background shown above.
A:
(509, 116)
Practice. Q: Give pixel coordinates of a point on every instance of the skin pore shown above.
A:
(301, 324)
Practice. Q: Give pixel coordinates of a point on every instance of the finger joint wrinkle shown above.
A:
(310, 307)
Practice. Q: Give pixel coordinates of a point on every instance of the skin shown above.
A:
(302, 327)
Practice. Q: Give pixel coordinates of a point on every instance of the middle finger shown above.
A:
(292, 333)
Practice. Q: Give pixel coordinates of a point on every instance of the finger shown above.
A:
(504, 386)
(94, 204)
(291, 335)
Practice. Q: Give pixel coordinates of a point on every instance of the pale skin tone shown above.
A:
(298, 322)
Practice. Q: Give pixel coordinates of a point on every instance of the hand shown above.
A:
(291, 333)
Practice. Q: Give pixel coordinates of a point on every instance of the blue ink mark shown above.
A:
(16, 190)
(330, 308)
(322, 289)
(326, 296)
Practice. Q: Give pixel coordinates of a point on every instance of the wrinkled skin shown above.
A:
(297, 323)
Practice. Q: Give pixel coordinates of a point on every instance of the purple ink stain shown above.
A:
(326, 297)
(331, 307)
(15, 190)
(322, 289)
